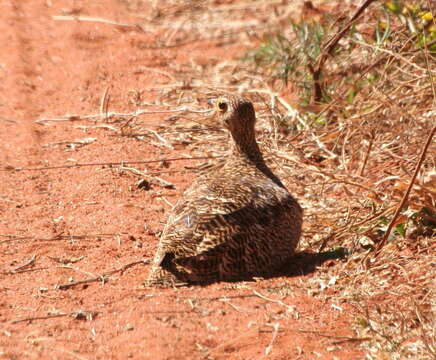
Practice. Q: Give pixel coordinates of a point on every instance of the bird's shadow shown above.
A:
(304, 263)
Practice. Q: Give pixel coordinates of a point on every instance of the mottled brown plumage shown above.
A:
(235, 222)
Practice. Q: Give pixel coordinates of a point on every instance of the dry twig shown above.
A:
(11, 168)
(23, 267)
(136, 113)
(103, 277)
(406, 194)
(95, 19)
(328, 49)
(77, 315)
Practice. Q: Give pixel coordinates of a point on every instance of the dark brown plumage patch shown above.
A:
(234, 222)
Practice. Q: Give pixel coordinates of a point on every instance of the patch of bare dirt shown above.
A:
(67, 224)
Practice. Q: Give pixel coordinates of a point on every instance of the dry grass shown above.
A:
(348, 161)
(349, 172)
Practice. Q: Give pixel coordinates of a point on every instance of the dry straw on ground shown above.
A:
(350, 170)
(350, 173)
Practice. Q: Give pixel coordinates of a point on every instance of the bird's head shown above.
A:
(235, 113)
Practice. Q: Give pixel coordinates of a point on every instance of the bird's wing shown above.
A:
(208, 217)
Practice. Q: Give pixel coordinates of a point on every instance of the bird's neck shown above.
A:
(246, 150)
(244, 146)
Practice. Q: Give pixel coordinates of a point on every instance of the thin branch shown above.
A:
(406, 195)
(22, 268)
(103, 277)
(328, 49)
(94, 19)
(269, 348)
(341, 339)
(288, 307)
(427, 63)
(12, 237)
(104, 104)
(11, 168)
(77, 315)
(40, 318)
(368, 151)
(76, 117)
(331, 44)
(153, 179)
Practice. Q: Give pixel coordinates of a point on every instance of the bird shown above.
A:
(235, 222)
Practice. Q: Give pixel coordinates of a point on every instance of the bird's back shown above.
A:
(235, 222)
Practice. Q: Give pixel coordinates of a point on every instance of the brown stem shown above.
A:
(365, 160)
(328, 49)
(406, 195)
(10, 168)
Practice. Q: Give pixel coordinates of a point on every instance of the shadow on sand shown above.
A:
(302, 263)
(305, 262)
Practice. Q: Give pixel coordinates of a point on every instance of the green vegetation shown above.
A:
(293, 54)
(367, 105)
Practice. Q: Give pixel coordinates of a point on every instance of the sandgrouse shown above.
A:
(236, 221)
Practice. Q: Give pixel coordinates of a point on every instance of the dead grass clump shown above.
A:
(349, 157)
(347, 144)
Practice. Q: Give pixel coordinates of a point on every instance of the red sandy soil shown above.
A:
(51, 68)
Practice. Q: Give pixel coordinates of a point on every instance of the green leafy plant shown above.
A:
(418, 21)
(302, 53)
(289, 58)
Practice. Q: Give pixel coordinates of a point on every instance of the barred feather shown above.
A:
(235, 222)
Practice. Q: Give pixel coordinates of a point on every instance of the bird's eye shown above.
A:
(222, 106)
